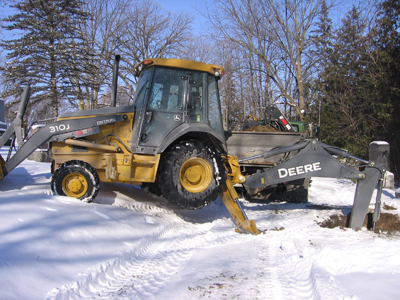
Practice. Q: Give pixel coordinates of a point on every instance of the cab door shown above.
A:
(165, 109)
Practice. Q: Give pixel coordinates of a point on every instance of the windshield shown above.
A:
(168, 90)
(141, 88)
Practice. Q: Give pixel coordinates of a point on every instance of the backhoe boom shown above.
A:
(312, 160)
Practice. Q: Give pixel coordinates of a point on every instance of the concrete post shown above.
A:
(379, 153)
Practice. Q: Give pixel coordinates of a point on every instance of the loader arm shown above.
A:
(54, 132)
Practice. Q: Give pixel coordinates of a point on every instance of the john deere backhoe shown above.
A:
(171, 141)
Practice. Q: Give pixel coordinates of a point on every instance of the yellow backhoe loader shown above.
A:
(171, 141)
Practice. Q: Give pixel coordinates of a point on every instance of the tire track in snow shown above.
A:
(110, 276)
(302, 279)
(142, 271)
(299, 266)
(284, 272)
(286, 262)
(271, 282)
(165, 264)
(162, 262)
(149, 265)
(152, 263)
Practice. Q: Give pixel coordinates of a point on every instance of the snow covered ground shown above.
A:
(130, 245)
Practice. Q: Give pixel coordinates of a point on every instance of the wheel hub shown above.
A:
(192, 174)
(75, 185)
(196, 175)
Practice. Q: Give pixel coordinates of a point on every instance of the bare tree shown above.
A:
(275, 33)
(135, 30)
(199, 48)
(229, 89)
(150, 32)
(102, 32)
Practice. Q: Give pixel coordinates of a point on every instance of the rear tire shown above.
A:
(191, 174)
(76, 179)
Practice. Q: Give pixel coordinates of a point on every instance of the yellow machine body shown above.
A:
(109, 155)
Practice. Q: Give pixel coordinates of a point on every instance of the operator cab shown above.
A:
(175, 98)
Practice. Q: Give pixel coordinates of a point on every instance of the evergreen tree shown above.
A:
(323, 40)
(387, 72)
(347, 118)
(47, 42)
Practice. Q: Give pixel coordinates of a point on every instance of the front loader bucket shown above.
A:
(364, 190)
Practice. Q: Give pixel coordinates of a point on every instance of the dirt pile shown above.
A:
(388, 223)
(260, 129)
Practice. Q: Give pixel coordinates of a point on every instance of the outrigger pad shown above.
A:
(364, 190)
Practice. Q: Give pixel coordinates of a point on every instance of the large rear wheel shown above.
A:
(76, 179)
(191, 174)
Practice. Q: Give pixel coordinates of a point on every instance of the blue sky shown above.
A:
(174, 6)
(189, 6)
(193, 6)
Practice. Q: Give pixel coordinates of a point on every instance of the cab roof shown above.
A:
(216, 70)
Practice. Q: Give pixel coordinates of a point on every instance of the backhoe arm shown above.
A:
(313, 160)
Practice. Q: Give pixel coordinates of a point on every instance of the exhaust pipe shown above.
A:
(114, 87)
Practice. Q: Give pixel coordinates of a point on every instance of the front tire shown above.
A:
(191, 174)
(76, 179)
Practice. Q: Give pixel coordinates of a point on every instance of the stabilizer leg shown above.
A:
(377, 212)
(230, 199)
(364, 190)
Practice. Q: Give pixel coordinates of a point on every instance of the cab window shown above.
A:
(167, 90)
